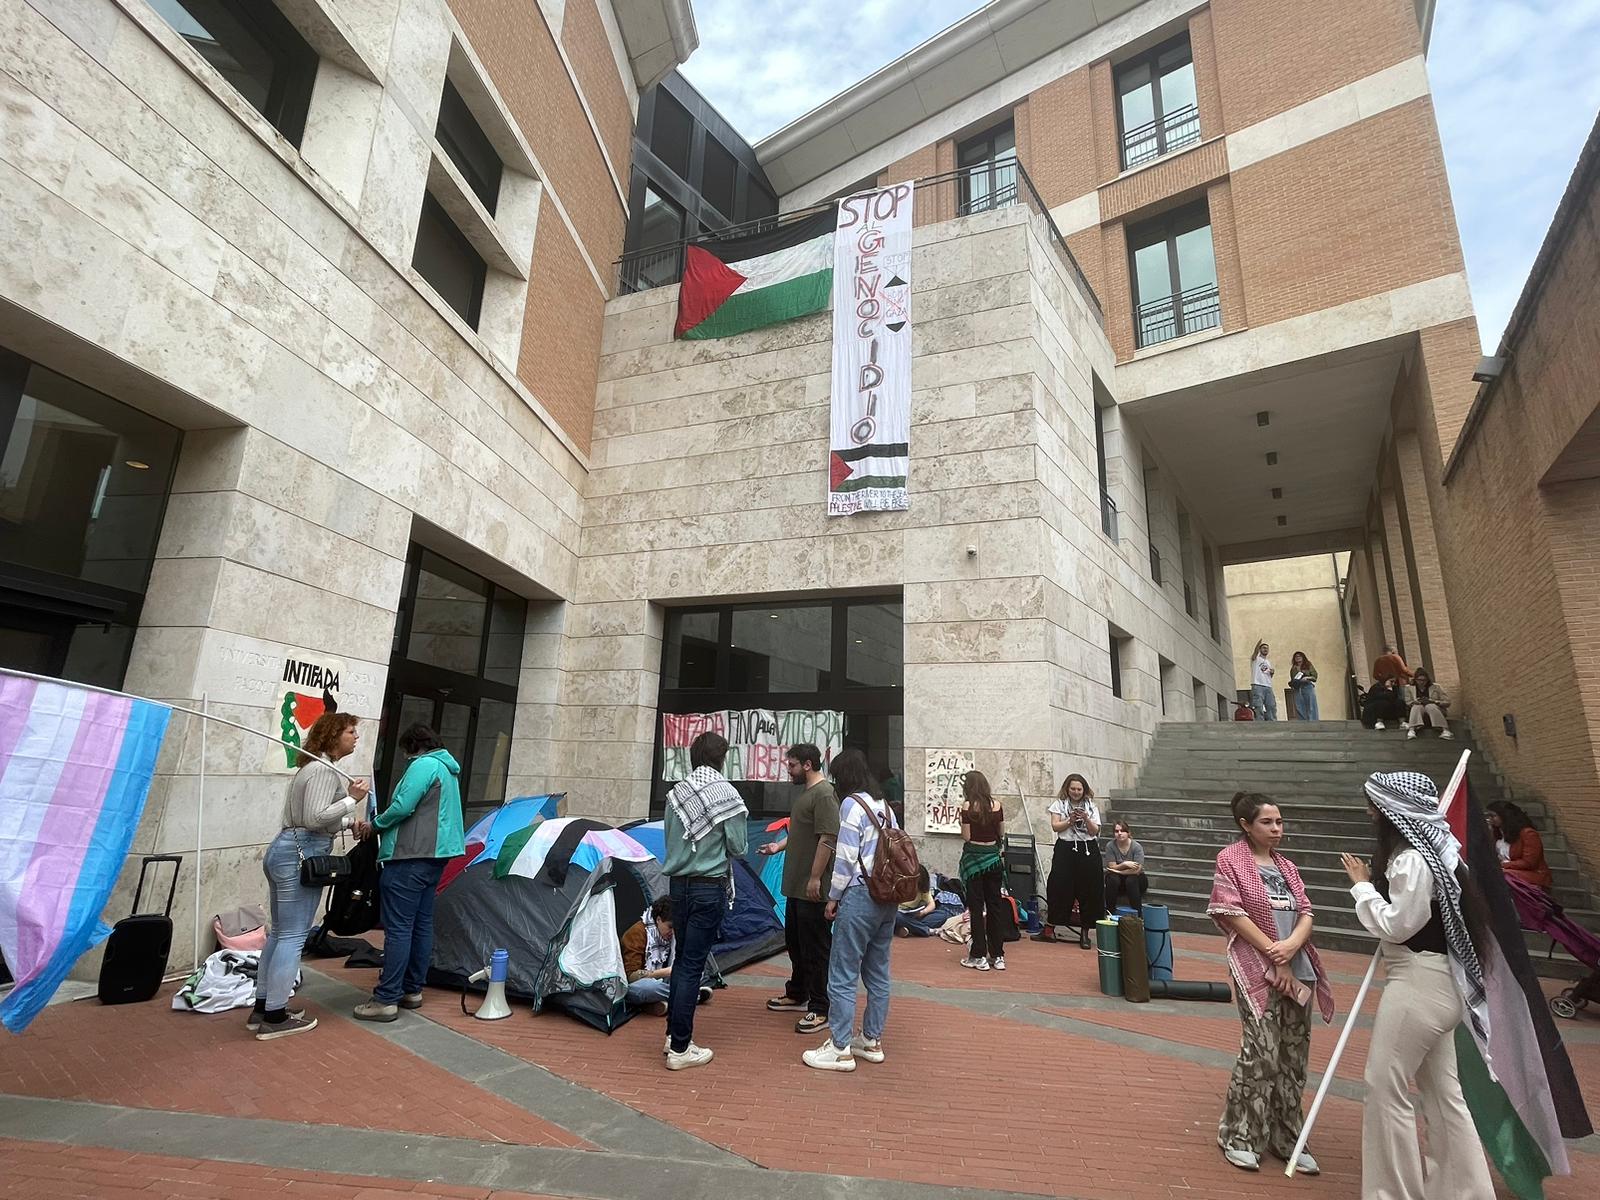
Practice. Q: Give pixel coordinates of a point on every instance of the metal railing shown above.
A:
(938, 198)
(1174, 316)
(1168, 132)
(1108, 514)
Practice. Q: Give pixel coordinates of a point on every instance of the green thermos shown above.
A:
(1105, 937)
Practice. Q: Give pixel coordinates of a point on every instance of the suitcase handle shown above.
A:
(176, 860)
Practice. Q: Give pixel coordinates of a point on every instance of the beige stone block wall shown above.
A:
(1293, 604)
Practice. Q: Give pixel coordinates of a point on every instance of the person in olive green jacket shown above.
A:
(1303, 679)
(419, 831)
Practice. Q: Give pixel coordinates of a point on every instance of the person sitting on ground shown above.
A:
(925, 916)
(1390, 665)
(1383, 702)
(1427, 703)
(1524, 856)
(647, 954)
(1124, 860)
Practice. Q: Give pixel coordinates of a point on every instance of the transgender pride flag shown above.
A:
(75, 768)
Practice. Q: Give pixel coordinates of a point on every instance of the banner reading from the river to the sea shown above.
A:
(870, 427)
(758, 740)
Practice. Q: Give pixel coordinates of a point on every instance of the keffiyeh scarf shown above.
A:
(1411, 801)
(1237, 891)
(703, 801)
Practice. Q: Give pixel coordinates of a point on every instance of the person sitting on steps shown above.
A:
(1427, 704)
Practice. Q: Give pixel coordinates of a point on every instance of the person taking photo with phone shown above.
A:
(1258, 901)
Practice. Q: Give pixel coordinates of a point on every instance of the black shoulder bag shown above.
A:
(321, 870)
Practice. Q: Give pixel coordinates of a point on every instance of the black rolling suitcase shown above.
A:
(137, 950)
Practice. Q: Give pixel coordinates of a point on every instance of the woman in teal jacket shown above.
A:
(418, 833)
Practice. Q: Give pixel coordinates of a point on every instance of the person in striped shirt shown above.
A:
(863, 929)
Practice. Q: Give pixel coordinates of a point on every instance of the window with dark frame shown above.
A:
(1157, 106)
(672, 134)
(655, 256)
(255, 48)
(449, 262)
(1115, 649)
(719, 178)
(1150, 532)
(1108, 506)
(988, 166)
(463, 139)
(1173, 270)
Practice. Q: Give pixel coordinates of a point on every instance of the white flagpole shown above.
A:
(199, 822)
(1361, 995)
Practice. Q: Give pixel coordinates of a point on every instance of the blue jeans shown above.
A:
(697, 911)
(294, 908)
(1265, 701)
(863, 935)
(406, 889)
(926, 926)
(644, 992)
(1305, 702)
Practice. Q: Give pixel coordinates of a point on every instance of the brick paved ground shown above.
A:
(1024, 1082)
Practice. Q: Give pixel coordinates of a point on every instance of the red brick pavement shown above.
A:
(149, 1056)
(46, 1171)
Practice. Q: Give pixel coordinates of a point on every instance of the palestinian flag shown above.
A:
(736, 284)
(1532, 1101)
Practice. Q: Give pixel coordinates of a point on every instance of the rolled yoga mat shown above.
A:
(1105, 936)
(1135, 970)
(1158, 942)
(1190, 989)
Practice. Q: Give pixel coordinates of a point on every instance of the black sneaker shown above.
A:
(811, 1023)
(785, 1004)
(255, 1024)
(285, 1028)
(705, 994)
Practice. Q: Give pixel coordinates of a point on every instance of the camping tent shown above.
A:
(753, 930)
(557, 900)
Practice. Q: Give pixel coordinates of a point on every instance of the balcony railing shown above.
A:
(1169, 132)
(938, 198)
(1174, 316)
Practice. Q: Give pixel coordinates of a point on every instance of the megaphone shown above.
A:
(494, 1004)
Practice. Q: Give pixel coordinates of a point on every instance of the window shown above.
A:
(719, 178)
(254, 47)
(461, 137)
(1108, 506)
(671, 134)
(1156, 106)
(655, 257)
(988, 165)
(1174, 276)
(781, 649)
(1115, 648)
(1211, 592)
(1150, 531)
(759, 203)
(447, 260)
(691, 651)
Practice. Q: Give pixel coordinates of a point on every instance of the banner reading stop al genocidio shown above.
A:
(870, 427)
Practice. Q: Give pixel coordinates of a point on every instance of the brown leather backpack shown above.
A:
(895, 868)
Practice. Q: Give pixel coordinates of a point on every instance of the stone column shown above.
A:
(1437, 648)
(1403, 609)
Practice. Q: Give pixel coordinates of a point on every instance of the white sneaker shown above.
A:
(1245, 1160)
(999, 964)
(872, 1051)
(977, 964)
(828, 1057)
(1375, 725)
(1306, 1165)
(694, 1056)
(1411, 735)
(1446, 735)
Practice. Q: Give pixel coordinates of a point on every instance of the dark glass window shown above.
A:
(491, 753)
(691, 650)
(655, 260)
(447, 615)
(1108, 506)
(255, 48)
(1174, 274)
(1156, 103)
(447, 260)
(719, 177)
(1115, 648)
(874, 651)
(988, 165)
(463, 139)
(671, 133)
(781, 649)
(759, 203)
(83, 490)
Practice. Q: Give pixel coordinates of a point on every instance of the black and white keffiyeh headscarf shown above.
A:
(1411, 801)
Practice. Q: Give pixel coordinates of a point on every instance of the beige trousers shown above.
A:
(1413, 1035)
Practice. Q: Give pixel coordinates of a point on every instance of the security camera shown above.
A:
(972, 552)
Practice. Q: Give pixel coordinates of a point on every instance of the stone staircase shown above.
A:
(1178, 810)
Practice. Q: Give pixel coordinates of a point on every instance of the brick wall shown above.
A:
(1351, 214)
(583, 35)
(1225, 247)
(561, 329)
(1059, 152)
(932, 204)
(1165, 182)
(1207, 87)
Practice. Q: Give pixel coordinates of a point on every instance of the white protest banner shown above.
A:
(942, 793)
(758, 740)
(870, 426)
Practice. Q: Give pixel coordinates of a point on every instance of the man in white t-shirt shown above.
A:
(1262, 698)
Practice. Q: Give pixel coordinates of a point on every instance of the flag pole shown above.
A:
(1361, 995)
(199, 818)
(1333, 1064)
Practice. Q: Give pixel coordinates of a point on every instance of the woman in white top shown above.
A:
(1262, 698)
(320, 803)
(1431, 919)
(1076, 873)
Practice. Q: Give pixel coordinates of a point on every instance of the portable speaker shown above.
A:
(137, 950)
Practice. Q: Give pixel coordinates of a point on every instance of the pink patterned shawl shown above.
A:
(1237, 891)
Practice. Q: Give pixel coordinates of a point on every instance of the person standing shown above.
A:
(1262, 698)
(1124, 861)
(320, 803)
(1303, 679)
(1258, 901)
(1432, 922)
(983, 822)
(418, 833)
(1390, 666)
(863, 930)
(1077, 871)
(813, 832)
(706, 828)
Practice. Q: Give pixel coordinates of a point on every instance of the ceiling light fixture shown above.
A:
(1272, 458)
(136, 464)
(1283, 520)
(1277, 493)
(1263, 418)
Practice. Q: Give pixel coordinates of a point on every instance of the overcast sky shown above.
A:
(1516, 84)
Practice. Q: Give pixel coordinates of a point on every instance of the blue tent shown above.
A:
(753, 930)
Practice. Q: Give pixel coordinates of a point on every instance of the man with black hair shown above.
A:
(813, 830)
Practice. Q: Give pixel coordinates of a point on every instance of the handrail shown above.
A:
(1160, 133)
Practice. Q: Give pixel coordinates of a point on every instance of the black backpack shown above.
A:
(353, 902)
